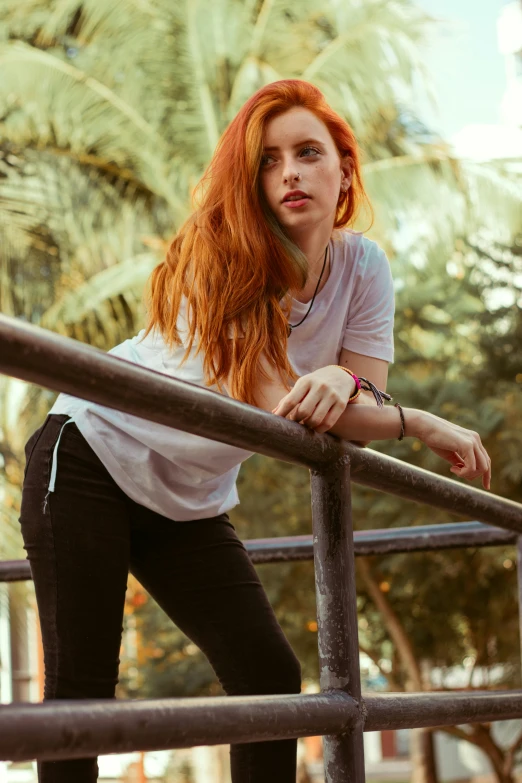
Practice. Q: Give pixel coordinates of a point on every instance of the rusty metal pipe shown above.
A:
(416, 710)
(337, 613)
(15, 571)
(366, 542)
(77, 729)
(42, 357)
(519, 586)
(421, 538)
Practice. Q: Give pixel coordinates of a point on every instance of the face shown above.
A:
(299, 143)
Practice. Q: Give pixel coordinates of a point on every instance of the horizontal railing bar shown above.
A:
(76, 729)
(367, 542)
(379, 471)
(415, 710)
(15, 571)
(42, 357)
(420, 538)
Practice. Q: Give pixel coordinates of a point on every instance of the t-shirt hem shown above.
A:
(132, 490)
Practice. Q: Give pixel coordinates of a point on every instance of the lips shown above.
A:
(295, 195)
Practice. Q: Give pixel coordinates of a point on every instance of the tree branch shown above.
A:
(393, 625)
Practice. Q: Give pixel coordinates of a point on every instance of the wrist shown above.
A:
(413, 420)
(355, 384)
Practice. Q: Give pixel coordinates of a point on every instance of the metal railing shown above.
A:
(76, 729)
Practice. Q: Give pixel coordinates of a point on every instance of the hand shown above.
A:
(457, 445)
(318, 399)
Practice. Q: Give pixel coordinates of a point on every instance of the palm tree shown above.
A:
(110, 112)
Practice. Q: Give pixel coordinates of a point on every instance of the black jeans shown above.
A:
(81, 548)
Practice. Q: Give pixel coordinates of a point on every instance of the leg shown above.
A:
(79, 555)
(200, 574)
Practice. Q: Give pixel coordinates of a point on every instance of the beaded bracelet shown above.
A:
(357, 389)
(379, 395)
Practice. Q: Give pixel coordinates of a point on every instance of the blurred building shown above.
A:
(509, 30)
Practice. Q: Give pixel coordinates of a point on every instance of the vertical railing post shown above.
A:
(337, 611)
(519, 583)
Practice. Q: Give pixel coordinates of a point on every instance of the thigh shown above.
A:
(78, 548)
(201, 575)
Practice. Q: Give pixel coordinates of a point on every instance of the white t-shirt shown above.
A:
(183, 476)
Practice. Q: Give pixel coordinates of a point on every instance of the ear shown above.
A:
(346, 172)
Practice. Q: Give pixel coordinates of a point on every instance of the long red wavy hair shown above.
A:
(233, 260)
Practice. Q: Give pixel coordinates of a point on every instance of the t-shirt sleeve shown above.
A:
(369, 326)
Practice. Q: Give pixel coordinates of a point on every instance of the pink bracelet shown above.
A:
(379, 395)
(357, 390)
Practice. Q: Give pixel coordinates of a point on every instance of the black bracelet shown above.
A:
(379, 395)
(403, 424)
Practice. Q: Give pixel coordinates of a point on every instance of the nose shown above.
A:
(290, 173)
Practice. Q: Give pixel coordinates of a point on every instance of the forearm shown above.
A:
(364, 398)
(364, 423)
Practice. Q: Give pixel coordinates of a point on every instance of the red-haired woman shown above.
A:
(267, 296)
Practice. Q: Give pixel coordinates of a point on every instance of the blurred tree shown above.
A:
(108, 117)
(420, 611)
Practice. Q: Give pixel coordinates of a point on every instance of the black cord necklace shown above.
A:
(292, 326)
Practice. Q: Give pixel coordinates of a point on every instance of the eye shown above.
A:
(264, 160)
(312, 149)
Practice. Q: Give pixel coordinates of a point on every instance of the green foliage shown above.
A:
(455, 605)
(109, 114)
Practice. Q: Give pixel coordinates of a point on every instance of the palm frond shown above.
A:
(76, 304)
(65, 107)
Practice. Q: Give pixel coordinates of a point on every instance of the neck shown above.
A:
(313, 246)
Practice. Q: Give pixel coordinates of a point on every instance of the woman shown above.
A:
(264, 296)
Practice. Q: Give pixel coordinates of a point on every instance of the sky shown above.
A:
(465, 63)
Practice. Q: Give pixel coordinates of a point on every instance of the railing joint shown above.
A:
(337, 463)
(350, 701)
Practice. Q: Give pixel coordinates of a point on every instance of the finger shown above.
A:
(318, 415)
(288, 403)
(469, 466)
(482, 461)
(486, 478)
(486, 475)
(332, 417)
(292, 415)
(306, 409)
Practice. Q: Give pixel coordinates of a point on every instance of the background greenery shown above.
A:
(109, 114)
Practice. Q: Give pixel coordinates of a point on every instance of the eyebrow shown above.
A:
(298, 144)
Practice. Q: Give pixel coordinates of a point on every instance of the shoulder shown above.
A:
(361, 251)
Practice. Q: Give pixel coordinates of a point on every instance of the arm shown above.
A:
(364, 422)
(269, 393)
(376, 370)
